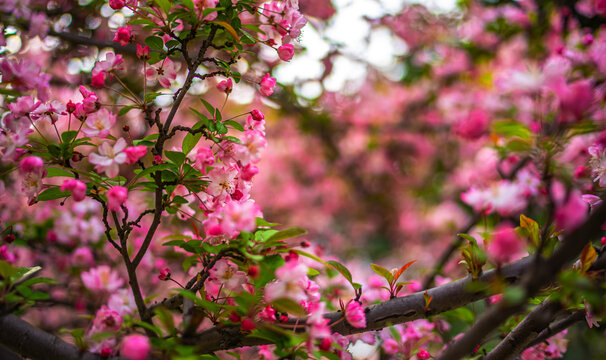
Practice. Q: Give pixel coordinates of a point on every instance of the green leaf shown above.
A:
(311, 256)
(68, 136)
(54, 172)
(125, 110)
(188, 4)
(512, 128)
(52, 194)
(191, 140)
(40, 280)
(232, 139)
(150, 170)
(176, 157)
(54, 150)
(236, 125)
(341, 268)
(263, 223)
(289, 306)
(154, 42)
(287, 234)
(209, 107)
(164, 5)
(383, 272)
(469, 238)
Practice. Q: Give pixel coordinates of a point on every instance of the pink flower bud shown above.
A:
(248, 325)
(505, 244)
(116, 197)
(134, 153)
(164, 274)
(267, 85)
(98, 80)
(326, 344)
(257, 115)
(9, 238)
(117, 4)
(135, 347)
(158, 159)
(31, 164)
(77, 188)
(355, 316)
(248, 172)
(423, 354)
(142, 52)
(226, 86)
(286, 52)
(70, 107)
(123, 35)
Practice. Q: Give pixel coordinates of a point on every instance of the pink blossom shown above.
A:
(32, 171)
(116, 197)
(109, 158)
(107, 319)
(225, 86)
(82, 256)
(239, 217)
(286, 52)
(571, 212)
(50, 110)
(291, 282)
(134, 153)
(135, 347)
(77, 188)
(111, 63)
(473, 126)
(98, 80)
(575, 99)
(204, 158)
(267, 85)
(101, 279)
(23, 106)
(248, 172)
(222, 181)
(505, 244)
(252, 145)
(355, 316)
(164, 72)
(390, 346)
(226, 273)
(123, 35)
(99, 123)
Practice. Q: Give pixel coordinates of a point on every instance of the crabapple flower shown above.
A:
(226, 273)
(32, 171)
(134, 153)
(82, 257)
(50, 110)
(77, 188)
(123, 35)
(107, 319)
(109, 158)
(253, 143)
(116, 197)
(99, 123)
(286, 52)
(505, 244)
(204, 158)
(473, 126)
(267, 85)
(225, 86)
(598, 164)
(248, 172)
(165, 72)
(101, 279)
(354, 314)
(239, 217)
(571, 213)
(390, 346)
(222, 181)
(291, 280)
(135, 347)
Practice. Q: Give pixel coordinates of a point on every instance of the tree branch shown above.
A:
(533, 281)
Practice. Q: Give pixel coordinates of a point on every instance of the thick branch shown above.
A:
(31, 342)
(518, 339)
(395, 311)
(533, 281)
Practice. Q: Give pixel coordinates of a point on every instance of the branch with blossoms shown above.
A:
(83, 167)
